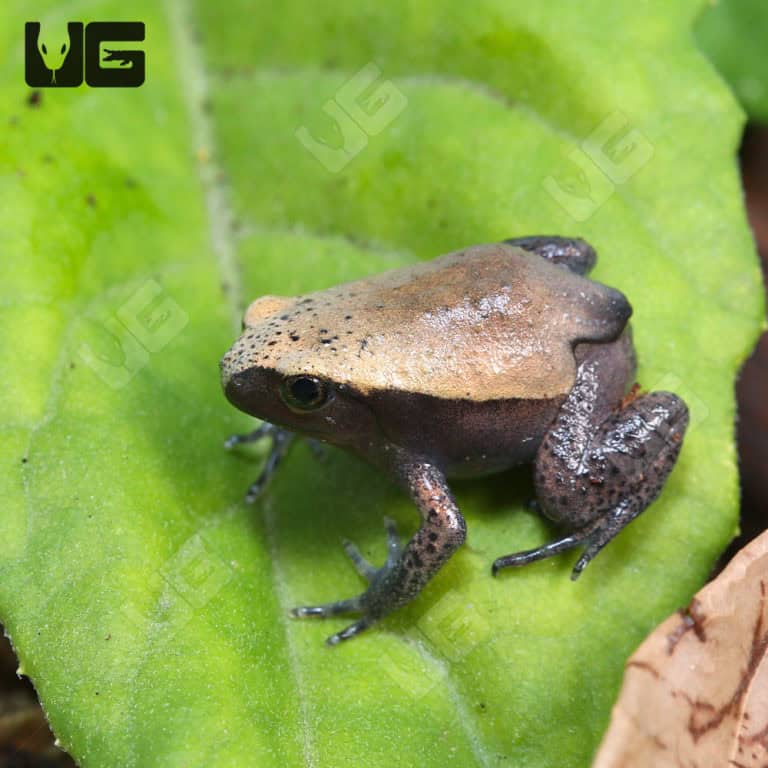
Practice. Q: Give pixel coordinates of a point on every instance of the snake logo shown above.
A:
(54, 54)
(62, 55)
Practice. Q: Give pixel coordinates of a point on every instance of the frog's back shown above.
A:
(488, 322)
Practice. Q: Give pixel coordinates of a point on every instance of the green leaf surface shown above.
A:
(733, 34)
(146, 601)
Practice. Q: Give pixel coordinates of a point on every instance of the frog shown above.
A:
(465, 365)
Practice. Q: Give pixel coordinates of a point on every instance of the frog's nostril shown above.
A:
(231, 388)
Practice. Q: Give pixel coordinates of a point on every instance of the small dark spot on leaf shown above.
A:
(35, 99)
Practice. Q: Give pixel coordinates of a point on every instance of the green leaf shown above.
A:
(733, 34)
(146, 601)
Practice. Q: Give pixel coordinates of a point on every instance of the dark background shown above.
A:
(752, 386)
(26, 742)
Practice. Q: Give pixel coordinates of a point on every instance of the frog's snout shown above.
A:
(233, 389)
(236, 376)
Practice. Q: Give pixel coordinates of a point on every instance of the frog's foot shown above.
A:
(593, 538)
(263, 430)
(539, 553)
(407, 569)
(599, 474)
(576, 254)
(281, 440)
(364, 603)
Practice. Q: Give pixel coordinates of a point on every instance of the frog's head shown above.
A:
(278, 371)
(53, 43)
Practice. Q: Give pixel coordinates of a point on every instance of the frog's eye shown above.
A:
(304, 393)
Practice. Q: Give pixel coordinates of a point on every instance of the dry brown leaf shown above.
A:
(695, 693)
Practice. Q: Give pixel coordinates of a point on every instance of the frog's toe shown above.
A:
(352, 605)
(394, 547)
(517, 559)
(365, 568)
(362, 566)
(348, 632)
(249, 437)
(339, 608)
(281, 441)
(336, 608)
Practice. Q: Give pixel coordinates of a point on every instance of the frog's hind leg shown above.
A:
(599, 467)
(576, 254)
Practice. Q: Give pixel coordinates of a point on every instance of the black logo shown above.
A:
(61, 58)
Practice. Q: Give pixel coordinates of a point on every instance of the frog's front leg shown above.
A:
(407, 569)
(598, 468)
(281, 441)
